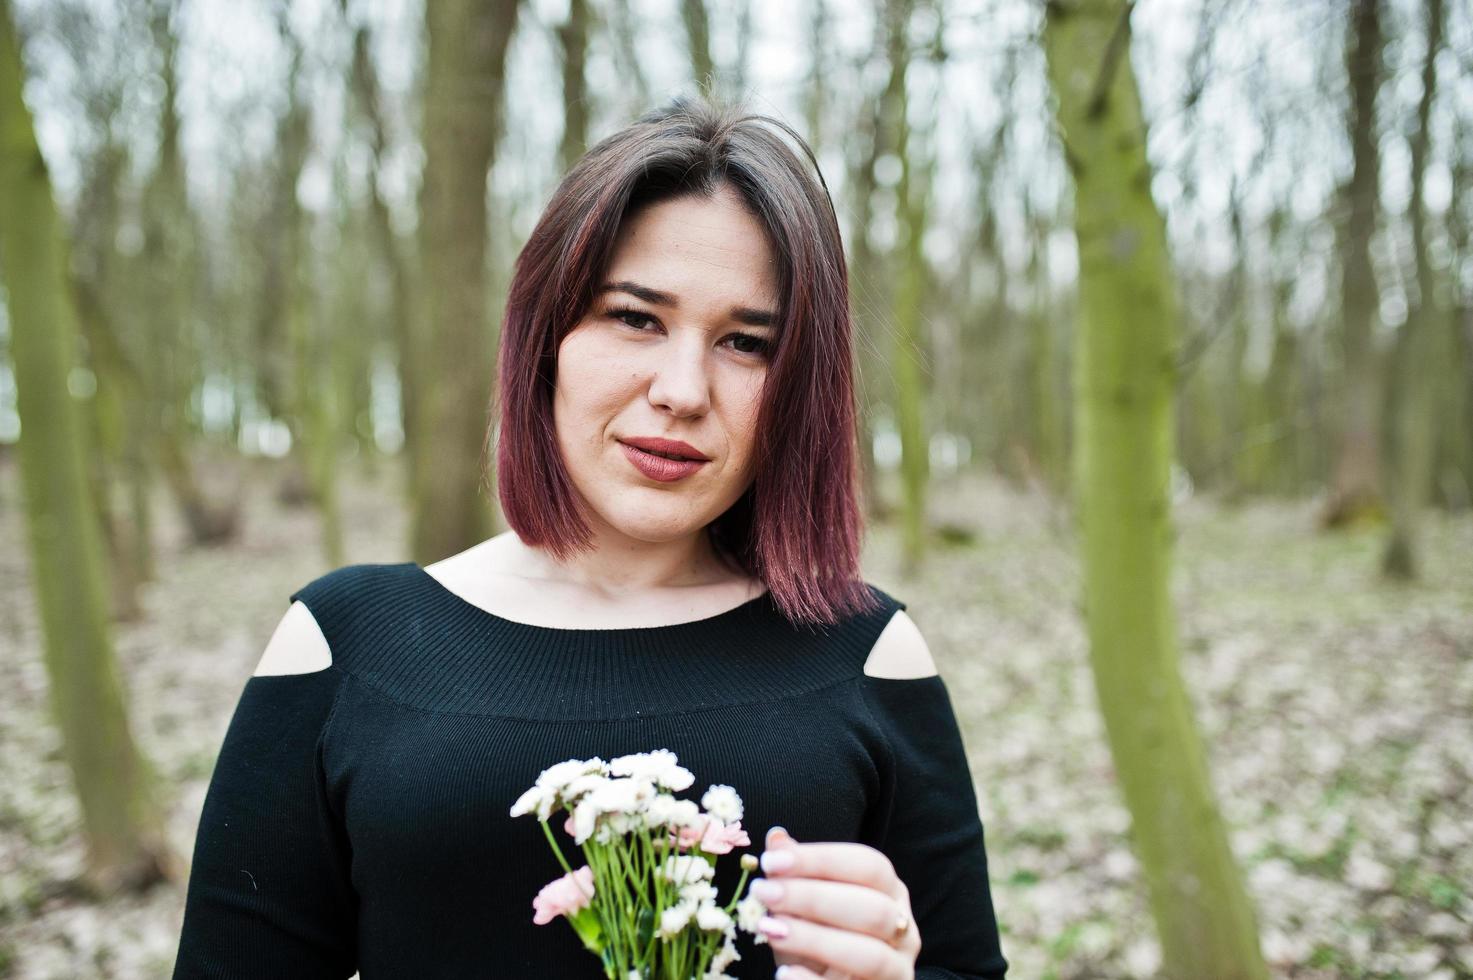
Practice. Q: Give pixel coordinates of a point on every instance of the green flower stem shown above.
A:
(555, 849)
(741, 883)
(608, 908)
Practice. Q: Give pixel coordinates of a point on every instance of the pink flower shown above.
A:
(713, 836)
(563, 896)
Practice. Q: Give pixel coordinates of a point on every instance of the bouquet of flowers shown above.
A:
(643, 900)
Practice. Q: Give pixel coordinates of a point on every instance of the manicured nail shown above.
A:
(767, 891)
(782, 973)
(772, 927)
(776, 861)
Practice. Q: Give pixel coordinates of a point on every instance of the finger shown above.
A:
(793, 959)
(836, 860)
(839, 949)
(779, 837)
(857, 908)
(791, 972)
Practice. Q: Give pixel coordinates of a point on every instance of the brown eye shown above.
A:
(756, 344)
(632, 318)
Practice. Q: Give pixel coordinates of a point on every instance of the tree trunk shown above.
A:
(1125, 385)
(909, 290)
(698, 37)
(117, 789)
(628, 58)
(1355, 491)
(1420, 349)
(95, 232)
(573, 41)
(867, 289)
(1455, 442)
(401, 286)
(462, 119)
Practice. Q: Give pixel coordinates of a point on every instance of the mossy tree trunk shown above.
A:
(1422, 350)
(368, 102)
(572, 35)
(115, 786)
(867, 301)
(697, 22)
(462, 120)
(1125, 381)
(1355, 490)
(1455, 439)
(909, 267)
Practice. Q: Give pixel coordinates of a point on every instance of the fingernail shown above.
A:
(772, 927)
(766, 891)
(776, 861)
(782, 973)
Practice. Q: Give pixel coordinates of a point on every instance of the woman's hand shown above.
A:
(838, 912)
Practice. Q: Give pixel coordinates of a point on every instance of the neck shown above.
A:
(617, 564)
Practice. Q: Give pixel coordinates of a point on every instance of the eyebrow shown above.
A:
(742, 314)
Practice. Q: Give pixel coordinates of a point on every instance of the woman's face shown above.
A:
(675, 346)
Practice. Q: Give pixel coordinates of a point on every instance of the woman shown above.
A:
(676, 459)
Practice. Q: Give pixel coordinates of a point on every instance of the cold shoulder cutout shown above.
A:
(297, 646)
(901, 652)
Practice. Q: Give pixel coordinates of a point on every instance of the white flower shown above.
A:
(660, 810)
(686, 868)
(621, 795)
(698, 892)
(579, 786)
(634, 975)
(675, 918)
(538, 798)
(712, 917)
(724, 957)
(623, 823)
(585, 816)
(723, 803)
(558, 776)
(622, 799)
(749, 912)
(685, 813)
(659, 766)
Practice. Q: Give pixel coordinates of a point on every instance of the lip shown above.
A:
(658, 467)
(672, 447)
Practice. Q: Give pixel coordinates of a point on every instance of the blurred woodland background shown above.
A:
(1165, 335)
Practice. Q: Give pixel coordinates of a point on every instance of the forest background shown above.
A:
(1165, 338)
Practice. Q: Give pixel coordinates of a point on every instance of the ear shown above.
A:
(901, 652)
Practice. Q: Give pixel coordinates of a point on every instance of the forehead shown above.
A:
(702, 247)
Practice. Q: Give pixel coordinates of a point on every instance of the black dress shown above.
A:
(357, 818)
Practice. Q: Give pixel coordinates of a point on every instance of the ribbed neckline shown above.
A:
(399, 630)
(613, 634)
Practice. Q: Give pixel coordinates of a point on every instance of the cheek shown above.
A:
(592, 386)
(746, 402)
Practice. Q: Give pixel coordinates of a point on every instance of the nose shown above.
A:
(681, 383)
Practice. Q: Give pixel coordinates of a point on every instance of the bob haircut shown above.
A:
(797, 527)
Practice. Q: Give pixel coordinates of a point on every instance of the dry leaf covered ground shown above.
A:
(1337, 711)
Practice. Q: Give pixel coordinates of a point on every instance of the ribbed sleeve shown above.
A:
(269, 892)
(930, 829)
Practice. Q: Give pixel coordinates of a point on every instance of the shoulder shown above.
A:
(302, 642)
(297, 647)
(900, 651)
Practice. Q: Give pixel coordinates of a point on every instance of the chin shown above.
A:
(656, 525)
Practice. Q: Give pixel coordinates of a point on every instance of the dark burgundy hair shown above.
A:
(798, 526)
